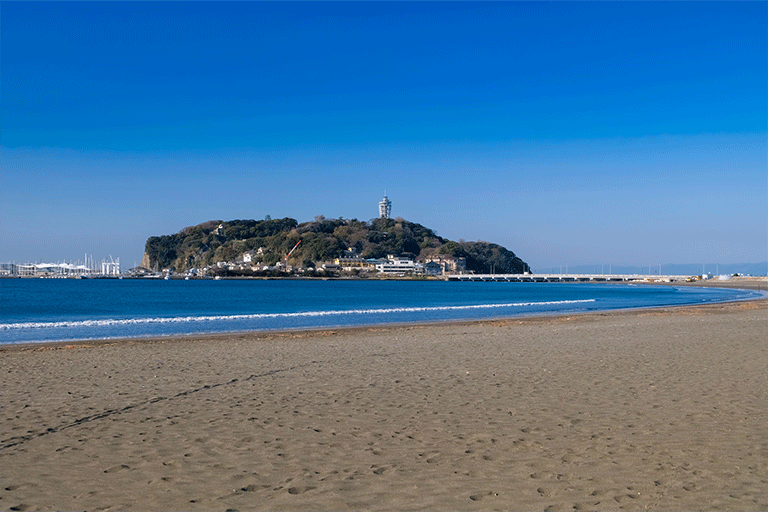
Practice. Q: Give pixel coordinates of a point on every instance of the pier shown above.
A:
(563, 278)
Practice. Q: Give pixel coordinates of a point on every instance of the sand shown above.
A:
(661, 409)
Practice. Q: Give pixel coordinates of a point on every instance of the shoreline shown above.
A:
(691, 309)
(650, 409)
(752, 284)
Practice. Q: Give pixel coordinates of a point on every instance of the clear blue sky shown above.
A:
(571, 133)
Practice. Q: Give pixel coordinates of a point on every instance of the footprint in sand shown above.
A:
(115, 469)
(560, 507)
(254, 488)
(300, 490)
(623, 498)
(478, 497)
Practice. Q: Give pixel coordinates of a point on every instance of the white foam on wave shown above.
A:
(189, 319)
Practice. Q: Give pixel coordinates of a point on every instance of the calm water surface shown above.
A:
(39, 310)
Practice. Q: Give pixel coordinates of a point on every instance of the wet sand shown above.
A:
(662, 409)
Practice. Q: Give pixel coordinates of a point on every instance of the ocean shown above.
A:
(47, 310)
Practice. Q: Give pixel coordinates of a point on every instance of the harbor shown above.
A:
(88, 268)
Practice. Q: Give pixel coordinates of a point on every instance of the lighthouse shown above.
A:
(385, 207)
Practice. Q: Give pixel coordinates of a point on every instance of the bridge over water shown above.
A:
(563, 278)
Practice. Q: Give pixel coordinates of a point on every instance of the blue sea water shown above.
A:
(43, 310)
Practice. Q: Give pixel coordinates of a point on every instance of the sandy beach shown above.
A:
(662, 409)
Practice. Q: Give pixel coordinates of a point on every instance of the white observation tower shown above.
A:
(385, 207)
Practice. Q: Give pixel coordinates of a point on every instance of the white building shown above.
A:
(396, 266)
(385, 207)
(251, 256)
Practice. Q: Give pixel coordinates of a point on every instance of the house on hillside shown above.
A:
(250, 256)
(449, 264)
(352, 260)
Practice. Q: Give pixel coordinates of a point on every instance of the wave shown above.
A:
(189, 319)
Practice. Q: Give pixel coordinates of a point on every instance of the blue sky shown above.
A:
(571, 133)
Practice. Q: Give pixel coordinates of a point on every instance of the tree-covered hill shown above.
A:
(321, 240)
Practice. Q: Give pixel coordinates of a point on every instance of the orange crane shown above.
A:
(291, 252)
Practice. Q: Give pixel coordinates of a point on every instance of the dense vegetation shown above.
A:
(321, 240)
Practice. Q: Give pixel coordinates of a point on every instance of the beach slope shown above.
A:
(662, 409)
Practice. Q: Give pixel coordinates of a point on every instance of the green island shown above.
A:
(381, 247)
